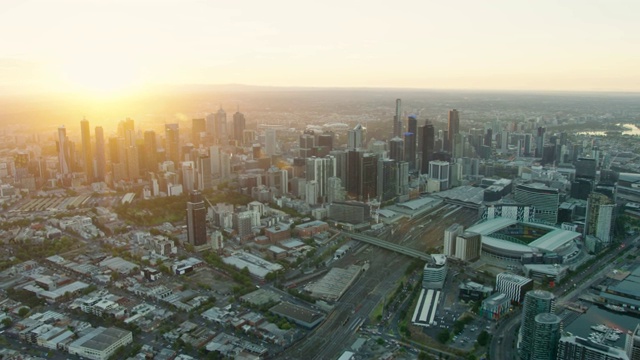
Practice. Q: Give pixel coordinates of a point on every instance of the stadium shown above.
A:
(512, 240)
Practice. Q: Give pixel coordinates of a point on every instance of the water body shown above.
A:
(630, 129)
(596, 315)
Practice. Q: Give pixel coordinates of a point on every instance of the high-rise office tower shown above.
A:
(270, 142)
(172, 143)
(504, 141)
(198, 127)
(335, 190)
(453, 128)
(362, 174)
(132, 161)
(397, 119)
(196, 219)
(308, 144)
(527, 144)
(101, 162)
(488, 137)
(458, 145)
(546, 335)
(535, 302)
(221, 124)
(410, 150)
(396, 149)
(188, 176)
(205, 176)
(356, 137)
(585, 168)
(278, 179)
(387, 179)
(64, 152)
(428, 146)
(412, 124)
(215, 158)
(117, 156)
(86, 150)
(151, 151)
(439, 171)
(540, 142)
(124, 126)
(239, 124)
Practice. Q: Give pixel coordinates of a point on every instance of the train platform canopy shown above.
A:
(469, 196)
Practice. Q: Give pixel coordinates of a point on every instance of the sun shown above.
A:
(99, 76)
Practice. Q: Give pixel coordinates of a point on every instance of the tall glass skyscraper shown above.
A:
(535, 302)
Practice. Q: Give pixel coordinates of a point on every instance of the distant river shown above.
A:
(630, 129)
(595, 316)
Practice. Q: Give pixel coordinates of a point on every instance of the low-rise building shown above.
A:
(495, 306)
(100, 343)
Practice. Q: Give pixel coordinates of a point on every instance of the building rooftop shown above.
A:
(496, 298)
(554, 239)
(100, 338)
(491, 226)
(466, 194)
(296, 312)
(417, 203)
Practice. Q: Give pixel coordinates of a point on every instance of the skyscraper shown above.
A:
(546, 334)
(439, 171)
(319, 170)
(396, 149)
(428, 144)
(64, 152)
(540, 142)
(410, 150)
(86, 150)
(101, 162)
(270, 142)
(196, 220)
(239, 124)
(535, 302)
(172, 143)
(453, 128)
(151, 151)
(599, 219)
(356, 137)
(221, 125)
(397, 119)
(387, 179)
(198, 126)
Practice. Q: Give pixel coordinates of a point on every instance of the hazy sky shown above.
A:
(92, 45)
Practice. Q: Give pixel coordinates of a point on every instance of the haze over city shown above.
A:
(118, 47)
(353, 180)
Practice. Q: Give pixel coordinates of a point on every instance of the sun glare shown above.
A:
(99, 77)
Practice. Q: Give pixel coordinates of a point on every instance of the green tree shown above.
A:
(483, 338)
(6, 322)
(443, 336)
(23, 311)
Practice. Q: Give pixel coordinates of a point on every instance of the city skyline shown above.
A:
(77, 48)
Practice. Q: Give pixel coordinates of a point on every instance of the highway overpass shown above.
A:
(389, 246)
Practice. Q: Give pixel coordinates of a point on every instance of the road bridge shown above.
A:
(389, 246)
